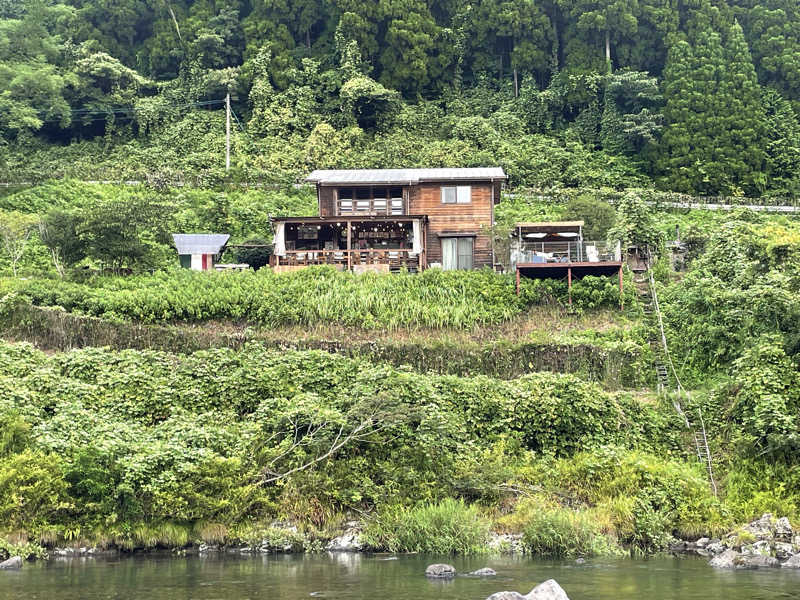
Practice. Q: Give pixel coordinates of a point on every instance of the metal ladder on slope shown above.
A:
(662, 372)
(663, 366)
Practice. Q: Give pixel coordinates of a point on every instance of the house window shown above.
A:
(396, 194)
(457, 253)
(371, 201)
(456, 194)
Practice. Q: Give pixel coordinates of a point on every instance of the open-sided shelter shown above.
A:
(557, 250)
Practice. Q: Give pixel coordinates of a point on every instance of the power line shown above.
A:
(238, 122)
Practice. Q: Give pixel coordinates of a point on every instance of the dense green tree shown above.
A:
(597, 216)
(124, 233)
(741, 141)
(782, 146)
(635, 225)
(608, 21)
(714, 138)
(58, 230)
(517, 34)
(410, 59)
(118, 27)
(683, 102)
(773, 31)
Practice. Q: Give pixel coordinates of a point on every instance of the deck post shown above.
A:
(349, 251)
(569, 284)
(517, 281)
(621, 297)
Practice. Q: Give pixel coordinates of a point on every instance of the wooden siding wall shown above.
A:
(426, 199)
(327, 201)
(475, 217)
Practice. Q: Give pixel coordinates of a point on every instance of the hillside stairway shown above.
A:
(664, 368)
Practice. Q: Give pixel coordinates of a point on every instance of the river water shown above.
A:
(356, 576)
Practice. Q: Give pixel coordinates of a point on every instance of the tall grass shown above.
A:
(433, 299)
(449, 527)
(554, 531)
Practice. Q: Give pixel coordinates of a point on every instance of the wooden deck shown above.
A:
(570, 270)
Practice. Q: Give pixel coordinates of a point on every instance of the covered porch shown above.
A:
(557, 250)
(379, 244)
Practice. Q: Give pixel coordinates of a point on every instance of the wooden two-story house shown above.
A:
(387, 219)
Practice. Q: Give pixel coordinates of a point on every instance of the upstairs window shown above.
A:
(456, 194)
(365, 200)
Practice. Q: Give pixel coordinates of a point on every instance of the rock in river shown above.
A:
(506, 596)
(440, 570)
(726, 560)
(783, 550)
(793, 563)
(756, 561)
(349, 541)
(485, 572)
(15, 562)
(783, 529)
(548, 590)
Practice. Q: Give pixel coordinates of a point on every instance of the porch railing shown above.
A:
(395, 258)
(555, 252)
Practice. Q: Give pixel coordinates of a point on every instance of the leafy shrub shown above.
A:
(24, 549)
(667, 496)
(598, 216)
(561, 532)
(32, 490)
(449, 527)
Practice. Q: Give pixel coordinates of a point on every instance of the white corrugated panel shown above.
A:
(402, 176)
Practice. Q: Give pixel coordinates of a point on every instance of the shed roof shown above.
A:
(200, 243)
(402, 176)
(549, 226)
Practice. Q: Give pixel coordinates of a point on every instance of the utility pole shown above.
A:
(228, 132)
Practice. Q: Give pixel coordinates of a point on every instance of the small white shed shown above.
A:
(198, 251)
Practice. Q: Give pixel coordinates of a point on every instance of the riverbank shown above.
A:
(351, 576)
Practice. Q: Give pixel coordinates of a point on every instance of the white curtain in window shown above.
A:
(416, 246)
(279, 240)
(449, 254)
(449, 195)
(464, 194)
(465, 253)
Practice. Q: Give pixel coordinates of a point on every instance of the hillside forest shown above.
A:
(147, 406)
(693, 96)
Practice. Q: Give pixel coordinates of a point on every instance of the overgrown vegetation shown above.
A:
(98, 444)
(432, 299)
(586, 106)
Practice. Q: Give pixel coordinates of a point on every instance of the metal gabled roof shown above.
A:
(402, 176)
(200, 243)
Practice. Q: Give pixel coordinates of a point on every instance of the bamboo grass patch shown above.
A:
(433, 299)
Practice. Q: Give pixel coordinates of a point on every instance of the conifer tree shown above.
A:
(782, 148)
(714, 136)
(679, 143)
(741, 142)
